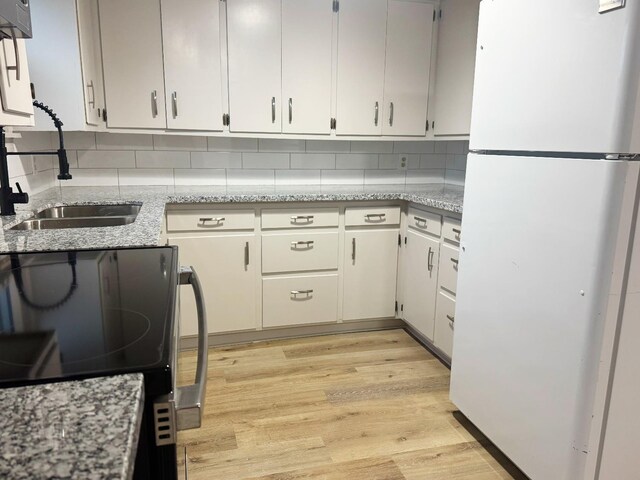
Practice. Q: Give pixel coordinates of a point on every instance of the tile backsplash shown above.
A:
(141, 159)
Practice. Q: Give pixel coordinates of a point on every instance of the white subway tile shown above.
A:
(366, 146)
(328, 146)
(123, 141)
(90, 177)
(216, 160)
(156, 159)
(313, 160)
(433, 160)
(431, 175)
(19, 165)
(106, 159)
(72, 158)
(297, 177)
(179, 142)
(226, 144)
(342, 177)
(422, 146)
(265, 160)
(75, 140)
(356, 160)
(399, 161)
(145, 176)
(42, 163)
(36, 183)
(200, 176)
(456, 162)
(385, 177)
(455, 177)
(34, 141)
(440, 147)
(280, 145)
(456, 147)
(250, 177)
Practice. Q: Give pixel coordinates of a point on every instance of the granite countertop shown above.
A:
(146, 230)
(84, 429)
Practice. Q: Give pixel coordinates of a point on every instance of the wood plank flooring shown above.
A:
(359, 406)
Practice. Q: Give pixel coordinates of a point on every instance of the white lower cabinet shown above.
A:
(299, 300)
(449, 268)
(370, 273)
(227, 272)
(300, 251)
(421, 282)
(445, 318)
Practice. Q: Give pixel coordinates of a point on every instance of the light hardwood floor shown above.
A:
(359, 406)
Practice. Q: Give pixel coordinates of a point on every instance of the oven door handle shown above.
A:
(189, 400)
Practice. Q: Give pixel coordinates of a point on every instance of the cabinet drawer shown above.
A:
(357, 216)
(425, 221)
(451, 229)
(445, 318)
(300, 218)
(210, 220)
(299, 300)
(299, 252)
(448, 268)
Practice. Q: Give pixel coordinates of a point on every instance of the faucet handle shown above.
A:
(18, 187)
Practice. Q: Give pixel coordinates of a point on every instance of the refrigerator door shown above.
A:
(535, 268)
(557, 76)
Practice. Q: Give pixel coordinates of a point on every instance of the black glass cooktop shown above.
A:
(85, 313)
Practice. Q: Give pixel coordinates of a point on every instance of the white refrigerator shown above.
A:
(550, 209)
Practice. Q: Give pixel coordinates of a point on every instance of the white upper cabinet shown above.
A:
(91, 60)
(254, 35)
(408, 61)
(307, 34)
(193, 76)
(361, 63)
(456, 59)
(133, 67)
(15, 87)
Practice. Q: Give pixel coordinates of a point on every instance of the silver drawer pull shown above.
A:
(456, 230)
(379, 217)
(420, 220)
(454, 260)
(451, 319)
(301, 292)
(217, 220)
(305, 218)
(306, 243)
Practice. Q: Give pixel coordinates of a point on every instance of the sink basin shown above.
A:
(78, 222)
(75, 211)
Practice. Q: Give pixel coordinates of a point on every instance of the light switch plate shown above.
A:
(608, 5)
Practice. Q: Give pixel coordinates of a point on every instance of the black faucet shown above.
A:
(8, 198)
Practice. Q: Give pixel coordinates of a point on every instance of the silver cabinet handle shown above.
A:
(301, 292)
(420, 220)
(457, 232)
(375, 117)
(369, 217)
(273, 109)
(290, 110)
(16, 67)
(92, 102)
(154, 103)
(246, 254)
(430, 260)
(189, 400)
(451, 319)
(306, 243)
(391, 114)
(454, 260)
(216, 220)
(174, 104)
(305, 218)
(353, 250)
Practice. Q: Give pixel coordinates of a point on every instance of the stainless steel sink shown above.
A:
(78, 222)
(75, 211)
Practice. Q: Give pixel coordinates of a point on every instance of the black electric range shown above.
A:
(80, 314)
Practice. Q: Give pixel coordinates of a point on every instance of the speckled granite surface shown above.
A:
(145, 231)
(71, 430)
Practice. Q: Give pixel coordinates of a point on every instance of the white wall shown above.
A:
(140, 159)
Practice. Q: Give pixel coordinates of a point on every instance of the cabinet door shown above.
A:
(307, 29)
(254, 32)
(370, 274)
(91, 60)
(361, 54)
(15, 84)
(191, 44)
(455, 66)
(408, 61)
(132, 60)
(227, 273)
(421, 282)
